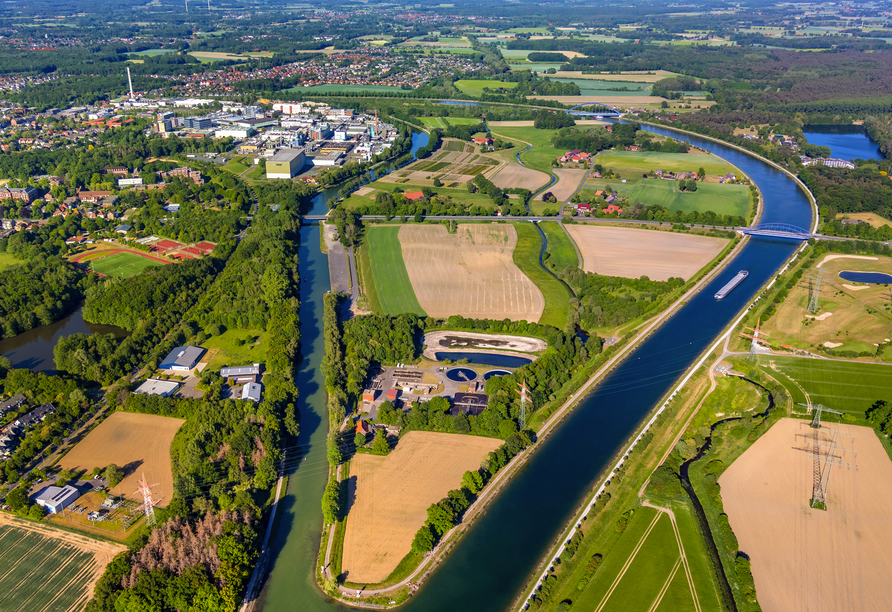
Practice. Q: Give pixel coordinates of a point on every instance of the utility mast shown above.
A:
(813, 305)
(524, 398)
(130, 83)
(148, 503)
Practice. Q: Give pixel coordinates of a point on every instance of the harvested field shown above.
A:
(872, 219)
(389, 497)
(138, 443)
(635, 77)
(568, 183)
(632, 253)
(48, 570)
(470, 273)
(806, 559)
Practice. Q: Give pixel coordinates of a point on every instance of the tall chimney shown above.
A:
(130, 83)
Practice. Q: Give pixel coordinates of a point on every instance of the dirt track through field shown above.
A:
(389, 497)
(470, 273)
(632, 253)
(805, 559)
(137, 443)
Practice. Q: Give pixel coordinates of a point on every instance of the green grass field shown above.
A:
(720, 199)
(122, 265)
(848, 386)
(153, 52)
(236, 347)
(641, 161)
(40, 573)
(236, 165)
(541, 154)
(557, 295)
(444, 122)
(388, 272)
(473, 87)
(459, 195)
(560, 251)
(8, 261)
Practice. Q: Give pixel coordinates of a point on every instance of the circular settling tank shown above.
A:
(492, 373)
(461, 374)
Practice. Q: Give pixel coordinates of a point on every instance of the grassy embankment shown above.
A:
(475, 88)
(560, 253)
(557, 295)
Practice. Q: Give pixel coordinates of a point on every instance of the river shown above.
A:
(490, 565)
(847, 142)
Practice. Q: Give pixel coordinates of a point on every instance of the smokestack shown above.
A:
(130, 83)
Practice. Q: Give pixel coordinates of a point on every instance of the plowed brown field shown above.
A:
(805, 559)
(470, 273)
(390, 496)
(632, 253)
(138, 443)
(515, 175)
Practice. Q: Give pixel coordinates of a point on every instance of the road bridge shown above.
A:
(608, 111)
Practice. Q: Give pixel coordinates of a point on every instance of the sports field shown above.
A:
(643, 161)
(632, 253)
(470, 273)
(138, 443)
(392, 286)
(646, 571)
(122, 264)
(390, 496)
(474, 87)
(560, 254)
(727, 199)
(47, 570)
(808, 559)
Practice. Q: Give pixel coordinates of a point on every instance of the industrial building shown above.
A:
(55, 499)
(182, 358)
(285, 164)
(241, 375)
(154, 386)
(251, 391)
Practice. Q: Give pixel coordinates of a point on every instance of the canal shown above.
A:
(490, 565)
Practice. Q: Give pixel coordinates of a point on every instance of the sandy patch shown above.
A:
(493, 124)
(632, 253)
(515, 175)
(470, 273)
(568, 183)
(137, 443)
(819, 317)
(805, 559)
(364, 191)
(453, 340)
(829, 344)
(872, 219)
(390, 496)
(856, 287)
(833, 256)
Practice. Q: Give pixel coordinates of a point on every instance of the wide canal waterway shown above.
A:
(490, 565)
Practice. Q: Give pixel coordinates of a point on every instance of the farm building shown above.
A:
(362, 427)
(469, 403)
(251, 391)
(55, 499)
(414, 195)
(182, 358)
(153, 386)
(241, 374)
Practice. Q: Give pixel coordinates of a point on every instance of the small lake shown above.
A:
(499, 361)
(848, 142)
(875, 278)
(33, 349)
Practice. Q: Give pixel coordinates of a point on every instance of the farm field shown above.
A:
(721, 199)
(474, 87)
(557, 294)
(454, 163)
(766, 494)
(873, 219)
(235, 347)
(634, 77)
(390, 496)
(137, 443)
(632, 253)
(392, 286)
(848, 386)
(122, 264)
(469, 273)
(560, 252)
(541, 154)
(444, 122)
(645, 161)
(515, 175)
(48, 570)
(851, 317)
(599, 87)
(612, 98)
(568, 183)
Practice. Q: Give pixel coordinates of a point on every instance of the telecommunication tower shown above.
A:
(815, 292)
(148, 503)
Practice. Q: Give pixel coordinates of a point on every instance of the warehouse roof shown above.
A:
(286, 155)
(183, 357)
(251, 391)
(240, 370)
(153, 386)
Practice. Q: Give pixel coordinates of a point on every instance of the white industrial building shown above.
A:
(182, 358)
(251, 391)
(235, 132)
(55, 499)
(154, 386)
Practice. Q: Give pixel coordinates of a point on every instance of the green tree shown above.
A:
(424, 540)
(380, 444)
(114, 475)
(359, 440)
(331, 502)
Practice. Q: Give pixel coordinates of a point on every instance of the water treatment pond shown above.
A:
(875, 278)
(490, 359)
(461, 374)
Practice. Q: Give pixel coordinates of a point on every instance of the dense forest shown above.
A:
(39, 293)
(839, 191)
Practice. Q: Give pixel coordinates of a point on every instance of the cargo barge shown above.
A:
(724, 291)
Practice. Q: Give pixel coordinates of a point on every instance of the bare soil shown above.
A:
(137, 443)
(802, 558)
(451, 340)
(632, 253)
(568, 183)
(515, 175)
(470, 273)
(389, 497)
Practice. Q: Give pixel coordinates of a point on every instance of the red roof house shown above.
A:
(414, 195)
(613, 208)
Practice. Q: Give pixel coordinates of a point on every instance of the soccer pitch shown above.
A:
(122, 265)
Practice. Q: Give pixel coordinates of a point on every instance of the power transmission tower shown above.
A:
(815, 292)
(148, 503)
(820, 472)
(524, 398)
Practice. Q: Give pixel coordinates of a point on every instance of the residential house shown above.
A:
(611, 209)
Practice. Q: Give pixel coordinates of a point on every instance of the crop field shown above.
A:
(721, 199)
(645, 569)
(470, 273)
(47, 570)
(848, 386)
(610, 98)
(568, 183)
(474, 87)
(445, 122)
(851, 316)
(766, 494)
(390, 496)
(632, 253)
(137, 443)
(513, 174)
(454, 163)
(122, 264)
(560, 252)
(392, 286)
(644, 161)
(872, 219)
(634, 77)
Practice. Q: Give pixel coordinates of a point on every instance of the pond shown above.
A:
(846, 142)
(461, 374)
(876, 278)
(33, 349)
(490, 359)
